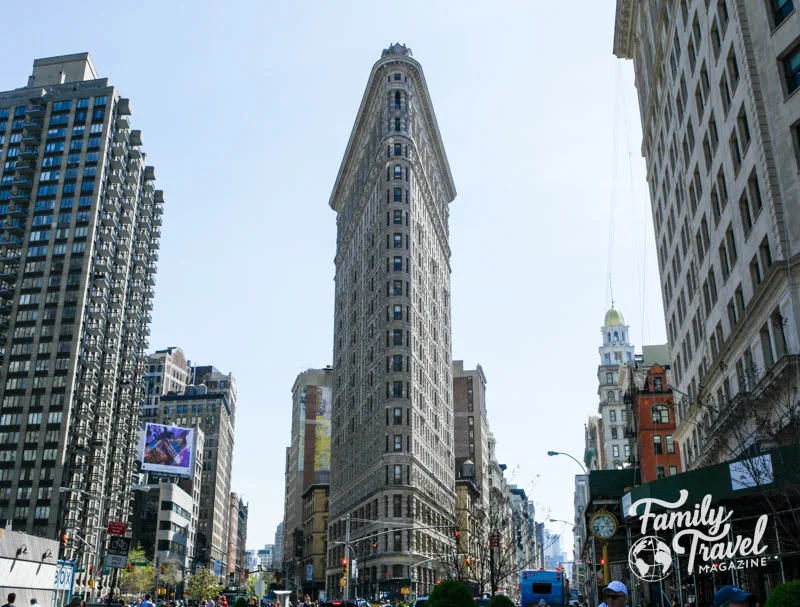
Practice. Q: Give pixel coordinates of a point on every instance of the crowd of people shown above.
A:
(616, 595)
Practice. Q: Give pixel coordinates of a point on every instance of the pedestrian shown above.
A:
(615, 595)
(12, 600)
(210, 603)
(146, 602)
(731, 596)
(35, 603)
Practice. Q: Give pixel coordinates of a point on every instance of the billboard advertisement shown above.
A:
(167, 449)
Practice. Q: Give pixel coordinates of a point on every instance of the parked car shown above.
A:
(420, 601)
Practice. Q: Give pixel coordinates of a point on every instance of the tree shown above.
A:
(762, 416)
(450, 593)
(501, 600)
(785, 595)
(140, 578)
(203, 584)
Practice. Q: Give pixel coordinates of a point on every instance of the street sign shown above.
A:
(64, 575)
(117, 555)
(494, 540)
(116, 528)
(309, 572)
(404, 590)
(119, 546)
(115, 561)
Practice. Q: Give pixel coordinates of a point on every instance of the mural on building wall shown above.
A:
(322, 436)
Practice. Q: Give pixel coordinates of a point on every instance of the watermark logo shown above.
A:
(702, 533)
(650, 559)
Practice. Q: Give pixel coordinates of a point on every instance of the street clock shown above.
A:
(603, 525)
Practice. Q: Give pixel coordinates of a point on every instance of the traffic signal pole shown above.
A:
(348, 549)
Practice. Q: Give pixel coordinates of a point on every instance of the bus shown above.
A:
(537, 584)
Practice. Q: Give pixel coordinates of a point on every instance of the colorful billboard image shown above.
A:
(167, 449)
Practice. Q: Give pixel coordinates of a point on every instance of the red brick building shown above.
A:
(654, 425)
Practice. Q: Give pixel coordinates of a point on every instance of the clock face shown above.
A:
(604, 526)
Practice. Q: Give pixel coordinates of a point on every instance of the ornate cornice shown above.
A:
(623, 28)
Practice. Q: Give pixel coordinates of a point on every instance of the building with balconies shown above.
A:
(73, 324)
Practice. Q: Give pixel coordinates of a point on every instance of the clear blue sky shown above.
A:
(245, 110)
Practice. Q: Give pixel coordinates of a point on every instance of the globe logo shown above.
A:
(650, 559)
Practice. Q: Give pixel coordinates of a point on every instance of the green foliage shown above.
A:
(203, 585)
(785, 595)
(240, 602)
(450, 593)
(141, 578)
(501, 600)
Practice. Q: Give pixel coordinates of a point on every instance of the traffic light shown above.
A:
(64, 539)
(344, 568)
(456, 532)
(466, 561)
(128, 567)
(602, 561)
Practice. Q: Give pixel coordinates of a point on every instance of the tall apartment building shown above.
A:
(615, 352)
(308, 459)
(211, 407)
(471, 426)
(315, 539)
(242, 567)
(392, 347)
(717, 84)
(80, 223)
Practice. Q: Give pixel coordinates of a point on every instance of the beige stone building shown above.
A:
(392, 342)
(718, 93)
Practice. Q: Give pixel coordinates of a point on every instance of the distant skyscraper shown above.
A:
(471, 426)
(167, 372)
(308, 460)
(717, 85)
(80, 240)
(278, 554)
(392, 346)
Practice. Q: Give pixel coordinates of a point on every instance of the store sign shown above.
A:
(651, 557)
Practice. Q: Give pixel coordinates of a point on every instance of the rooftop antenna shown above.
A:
(611, 289)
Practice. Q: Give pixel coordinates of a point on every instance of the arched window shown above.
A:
(610, 397)
(608, 359)
(609, 336)
(398, 172)
(616, 335)
(397, 100)
(623, 336)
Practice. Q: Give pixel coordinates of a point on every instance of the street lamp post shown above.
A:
(583, 514)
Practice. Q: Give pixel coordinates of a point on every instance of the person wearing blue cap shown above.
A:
(731, 596)
(615, 595)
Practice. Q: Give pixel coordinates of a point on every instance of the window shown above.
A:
(398, 480)
(612, 415)
(670, 444)
(673, 470)
(397, 362)
(791, 64)
(660, 414)
(397, 217)
(657, 447)
(610, 396)
(398, 416)
(397, 287)
(398, 444)
(627, 451)
(398, 172)
(780, 10)
(397, 124)
(398, 241)
(397, 262)
(397, 195)
(660, 472)
(614, 432)
(609, 378)
(615, 450)
(398, 149)
(397, 312)
(397, 337)
(657, 387)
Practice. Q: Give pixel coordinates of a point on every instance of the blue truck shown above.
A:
(537, 584)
